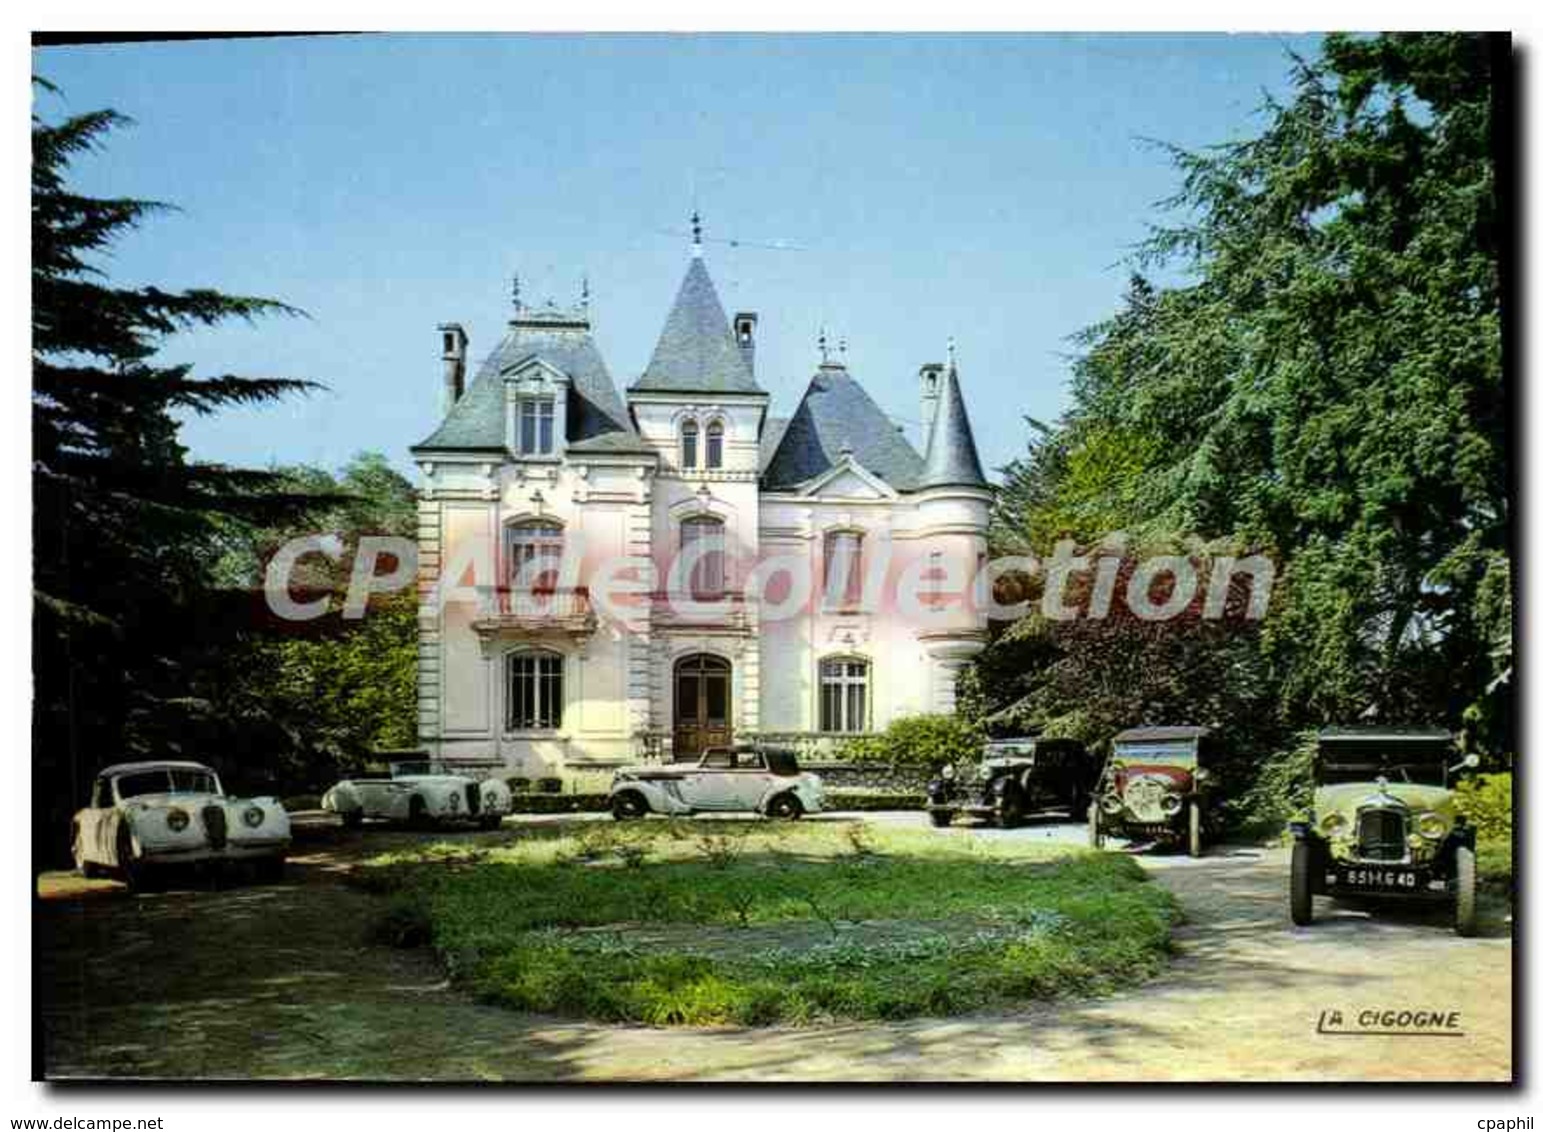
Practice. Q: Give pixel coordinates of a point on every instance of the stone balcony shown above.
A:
(557, 614)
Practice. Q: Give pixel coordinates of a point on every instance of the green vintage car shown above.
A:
(1384, 823)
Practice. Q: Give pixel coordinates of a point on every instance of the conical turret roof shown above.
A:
(951, 459)
(696, 351)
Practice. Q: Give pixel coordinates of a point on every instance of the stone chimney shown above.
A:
(931, 381)
(744, 336)
(453, 352)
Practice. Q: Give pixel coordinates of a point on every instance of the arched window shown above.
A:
(702, 536)
(688, 439)
(533, 551)
(843, 694)
(843, 569)
(715, 444)
(533, 691)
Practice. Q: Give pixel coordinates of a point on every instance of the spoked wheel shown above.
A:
(785, 807)
(1301, 884)
(1465, 918)
(1195, 833)
(491, 822)
(629, 805)
(941, 818)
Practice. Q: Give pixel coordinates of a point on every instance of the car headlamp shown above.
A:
(1333, 823)
(949, 772)
(1110, 803)
(252, 816)
(1431, 826)
(177, 820)
(1172, 803)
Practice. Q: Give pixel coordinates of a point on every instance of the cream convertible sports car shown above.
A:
(148, 814)
(419, 792)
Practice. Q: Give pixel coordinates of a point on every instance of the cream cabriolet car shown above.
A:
(420, 792)
(744, 778)
(148, 814)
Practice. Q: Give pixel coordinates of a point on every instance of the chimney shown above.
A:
(453, 342)
(931, 378)
(744, 335)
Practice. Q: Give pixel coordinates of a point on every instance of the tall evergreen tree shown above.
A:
(121, 515)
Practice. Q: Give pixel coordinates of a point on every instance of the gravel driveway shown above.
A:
(281, 982)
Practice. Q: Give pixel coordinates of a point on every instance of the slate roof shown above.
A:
(597, 419)
(696, 351)
(835, 413)
(952, 460)
(771, 437)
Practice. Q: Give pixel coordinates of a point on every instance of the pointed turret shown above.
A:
(951, 457)
(697, 352)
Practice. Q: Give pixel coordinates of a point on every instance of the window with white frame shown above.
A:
(533, 552)
(533, 691)
(843, 694)
(535, 426)
(688, 444)
(715, 444)
(843, 569)
(702, 537)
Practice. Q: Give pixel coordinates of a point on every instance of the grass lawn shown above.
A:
(703, 922)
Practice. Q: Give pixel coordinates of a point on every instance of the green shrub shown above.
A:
(1485, 799)
(918, 740)
(1282, 788)
(873, 800)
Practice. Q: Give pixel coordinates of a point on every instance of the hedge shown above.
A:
(600, 803)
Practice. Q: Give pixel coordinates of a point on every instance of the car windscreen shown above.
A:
(1367, 766)
(1156, 754)
(143, 782)
(184, 781)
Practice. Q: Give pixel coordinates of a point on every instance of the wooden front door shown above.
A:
(702, 704)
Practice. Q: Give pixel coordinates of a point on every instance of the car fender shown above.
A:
(495, 796)
(343, 798)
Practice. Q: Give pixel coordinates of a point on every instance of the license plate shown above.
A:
(1392, 880)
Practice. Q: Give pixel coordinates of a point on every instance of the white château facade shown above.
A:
(548, 646)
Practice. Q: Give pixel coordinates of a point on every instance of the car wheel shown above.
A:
(629, 805)
(132, 871)
(1194, 829)
(1301, 884)
(785, 807)
(1466, 873)
(1095, 826)
(417, 812)
(352, 819)
(1010, 816)
(491, 822)
(941, 818)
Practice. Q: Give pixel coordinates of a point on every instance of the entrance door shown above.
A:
(702, 716)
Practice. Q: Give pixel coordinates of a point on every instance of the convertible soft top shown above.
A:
(1161, 734)
(1347, 748)
(152, 764)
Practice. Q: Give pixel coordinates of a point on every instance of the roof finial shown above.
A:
(696, 233)
(516, 292)
(951, 353)
(841, 346)
(584, 295)
(824, 347)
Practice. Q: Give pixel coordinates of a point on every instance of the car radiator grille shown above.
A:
(214, 826)
(473, 797)
(1380, 835)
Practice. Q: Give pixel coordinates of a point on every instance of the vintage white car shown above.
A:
(762, 780)
(147, 814)
(420, 792)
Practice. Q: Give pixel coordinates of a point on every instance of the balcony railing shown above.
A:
(510, 613)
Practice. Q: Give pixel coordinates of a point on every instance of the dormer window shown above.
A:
(535, 426)
(688, 444)
(715, 444)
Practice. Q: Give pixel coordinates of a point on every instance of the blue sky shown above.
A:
(985, 187)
